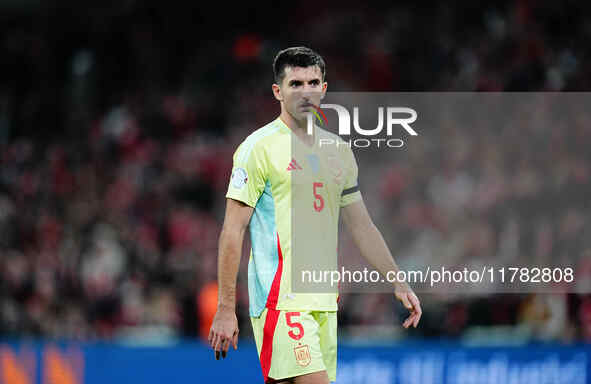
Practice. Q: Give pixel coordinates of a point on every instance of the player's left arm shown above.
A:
(374, 249)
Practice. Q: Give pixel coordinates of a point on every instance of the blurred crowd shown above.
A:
(117, 129)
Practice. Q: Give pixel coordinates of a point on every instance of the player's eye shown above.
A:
(295, 83)
(314, 82)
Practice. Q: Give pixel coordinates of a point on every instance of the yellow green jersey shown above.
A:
(296, 190)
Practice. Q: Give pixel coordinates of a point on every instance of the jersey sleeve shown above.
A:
(248, 178)
(351, 191)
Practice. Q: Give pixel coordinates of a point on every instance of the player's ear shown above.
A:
(277, 92)
(324, 87)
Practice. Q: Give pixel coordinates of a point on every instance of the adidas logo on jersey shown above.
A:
(293, 165)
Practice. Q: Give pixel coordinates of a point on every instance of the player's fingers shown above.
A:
(214, 339)
(214, 343)
(218, 343)
(225, 347)
(235, 340)
(417, 318)
(218, 348)
(405, 301)
(412, 318)
(407, 322)
(414, 300)
(418, 314)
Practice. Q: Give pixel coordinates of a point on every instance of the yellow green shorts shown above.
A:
(293, 343)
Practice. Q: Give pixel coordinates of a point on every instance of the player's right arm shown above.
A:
(246, 186)
(224, 329)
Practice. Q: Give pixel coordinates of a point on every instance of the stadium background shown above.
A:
(118, 121)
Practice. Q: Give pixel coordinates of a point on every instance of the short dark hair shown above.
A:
(296, 57)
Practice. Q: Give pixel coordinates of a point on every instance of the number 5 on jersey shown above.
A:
(319, 201)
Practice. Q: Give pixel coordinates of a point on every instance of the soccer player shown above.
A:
(278, 170)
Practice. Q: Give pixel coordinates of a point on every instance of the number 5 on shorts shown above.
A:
(293, 324)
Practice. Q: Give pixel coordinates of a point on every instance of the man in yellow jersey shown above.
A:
(278, 170)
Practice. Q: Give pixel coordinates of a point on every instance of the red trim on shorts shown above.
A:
(274, 291)
(267, 348)
(271, 319)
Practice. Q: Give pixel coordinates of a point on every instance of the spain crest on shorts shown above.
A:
(302, 355)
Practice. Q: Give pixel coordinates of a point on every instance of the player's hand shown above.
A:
(223, 332)
(405, 294)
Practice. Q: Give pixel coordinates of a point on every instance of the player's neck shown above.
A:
(299, 128)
